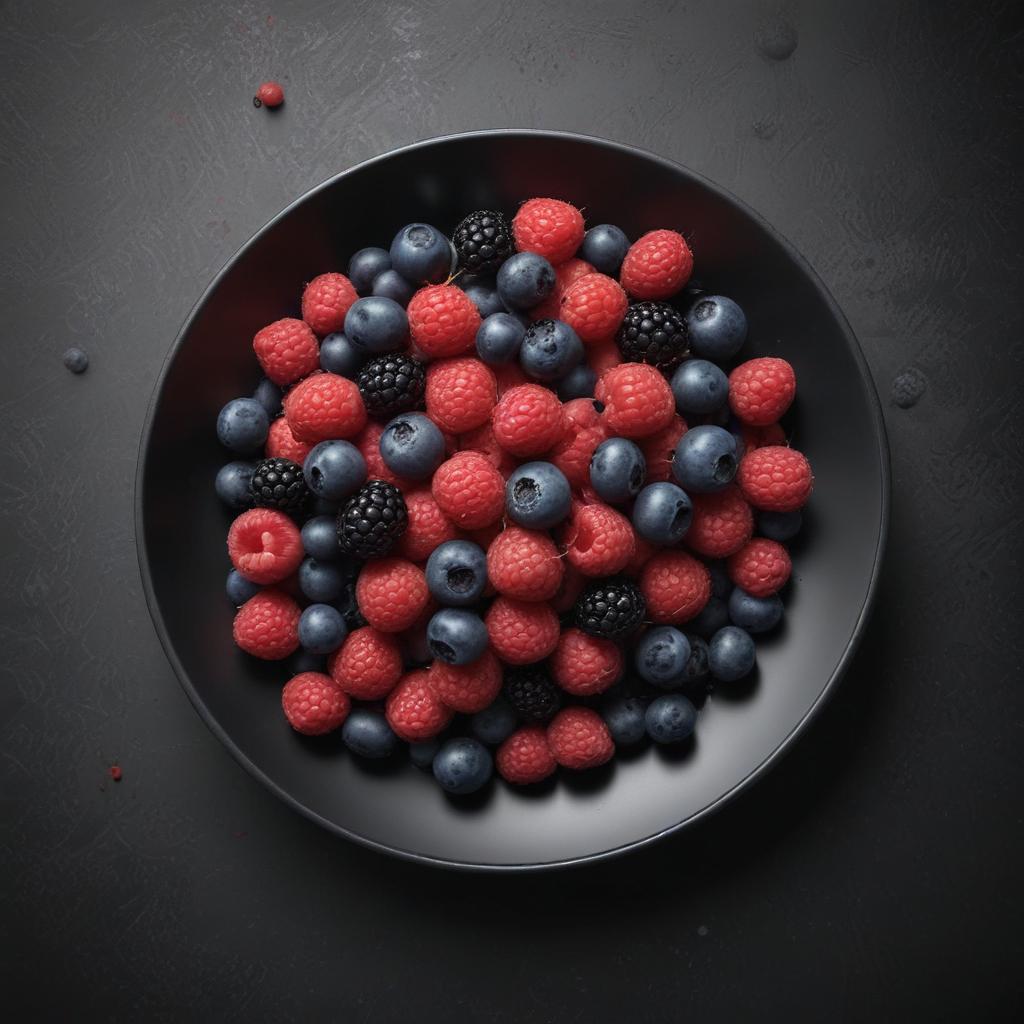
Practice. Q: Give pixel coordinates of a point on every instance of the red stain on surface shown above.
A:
(115, 772)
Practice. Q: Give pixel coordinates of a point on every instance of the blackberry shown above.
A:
(372, 520)
(348, 605)
(532, 693)
(278, 483)
(392, 384)
(655, 333)
(483, 241)
(610, 608)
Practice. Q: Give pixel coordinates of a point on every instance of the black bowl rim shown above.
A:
(866, 380)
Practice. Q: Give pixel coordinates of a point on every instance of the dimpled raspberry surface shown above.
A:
(722, 523)
(676, 587)
(282, 443)
(428, 527)
(267, 625)
(467, 688)
(528, 420)
(579, 739)
(584, 431)
(593, 306)
(442, 321)
(775, 479)
(325, 302)
(461, 394)
(392, 592)
(659, 449)
(368, 664)
(524, 564)
(637, 400)
(525, 757)
(368, 443)
(264, 545)
(324, 407)
(761, 390)
(566, 274)
(522, 632)
(585, 665)
(599, 540)
(657, 265)
(469, 490)
(287, 350)
(760, 567)
(414, 710)
(549, 227)
(314, 704)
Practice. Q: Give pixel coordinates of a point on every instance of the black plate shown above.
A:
(837, 423)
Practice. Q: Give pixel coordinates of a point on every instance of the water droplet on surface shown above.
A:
(777, 40)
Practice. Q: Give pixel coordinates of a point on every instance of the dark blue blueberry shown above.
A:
(367, 734)
(334, 470)
(76, 360)
(376, 324)
(671, 718)
(604, 248)
(321, 581)
(306, 661)
(711, 618)
(320, 538)
(239, 589)
(700, 388)
(457, 573)
(268, 394)
(499, 338)
(780, 526)
(662, 513)
(697, 667)
(624, 717)
(525, 280)
(705, 459)
(537, 496)
(421, 253)
(731, 654)
(422, 754)
(721, 583)
(456, 636)
(321, 629)
(412, 446)
(579, 382)
(717, 328)
(339, 355)
(242, 425)
(232, 484)
(617, 470)
(391, 285)
(494, 724)
(661, 656)
(550, 350)
(463, 766)
(484, 294)
(365, 265)
(755, 614)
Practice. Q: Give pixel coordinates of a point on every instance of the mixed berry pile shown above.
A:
(509, 492)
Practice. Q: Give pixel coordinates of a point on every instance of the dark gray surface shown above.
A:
(874, 873)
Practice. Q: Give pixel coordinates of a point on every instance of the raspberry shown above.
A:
(603, 355)
(509, 376)
(659, 449)
(391, 593)
(460, 394)
(761, 390)
(579, 739)
(368, 444)
(428, 527)
(775, 479)
(521, 632)
(442, 321)
(573, 582)
(525, 757)
(324, 406)
(267, 625)
(585, 665)
(325, 302)
(524, 564)
(657, 265)
(548, 227)
(467, 688)
(599, 540)
(593, 306)
(414, 711)
(269, 94)
(482, 440)
(566, 274)
(264, 545)
(761, 567)
(469, 490)
(675, 586)
(314, 703)
(585, 430)
(722, 523)
(528, 420)
(637, 400)
(367, 665)
(644, 552)
(287, 350)
(282, 443)
(752, 438)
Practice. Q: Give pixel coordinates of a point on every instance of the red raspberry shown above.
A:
(414, 711)
(442, 321)
(659, 450)
(469, 490)
(573, 582)
(579, 739)
(722, 523)
(521, 631)
(585, 430)
(594, 307)
(637, 400)
(775, 479)
(675, 586)
(599, 541)
(467, 688)
(267, 625)
(391, 593)
(761, 390)
(428, 527)
(761, 567)
(603, 355)
(645, 551)
(282, 443)
(657, 265)
(264, 545)
(324, 407)
(368, 442)
(525, 757)
(287, 350)
(325, 302)
(269, 94)
(314, 703)
(482, 440)
(460, 394)
(752, 438)
(584, 665)
(566, 274)
(367, 665)
(549, 227)
(528, 420)
(524, 564)
(509, 376)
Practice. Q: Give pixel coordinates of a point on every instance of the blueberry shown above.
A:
(456, 636)
(499, 338)
(721, 583)
(242, 425)
(604, 248)
(780, 526)
(624, 717)
(306, 661)
(661, 657)
(334, 470)
(617, 470)
(320, 538)
(697, 667)
(537, 496)
(550, 350)
(321, 629)
(376, 324)
(579, 382)
(268, 394)
(717, 327)
(457, 573)
(711, 618)
(662, 513)
(755, 614)
(239, 589)
(700, 388)
(368, 734)
(731, 654)
(412, 446)
(705, 459)
(484, 294)
(366, 265)
(232, 484)
(670, 718)
(494, 724)
(421, 253)
(76, 360)
(339, 355)
(422, 753)
(391, 285)
(525, 280)
(321, 581)
(463, 766)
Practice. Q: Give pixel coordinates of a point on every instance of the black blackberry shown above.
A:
(372, 520)
(483, 241)
(392, 384)
(610, 608)
(278, 483)
(655, 333)
(348, 605)
(532, 693)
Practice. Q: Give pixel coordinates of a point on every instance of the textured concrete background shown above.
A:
(875, 873)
